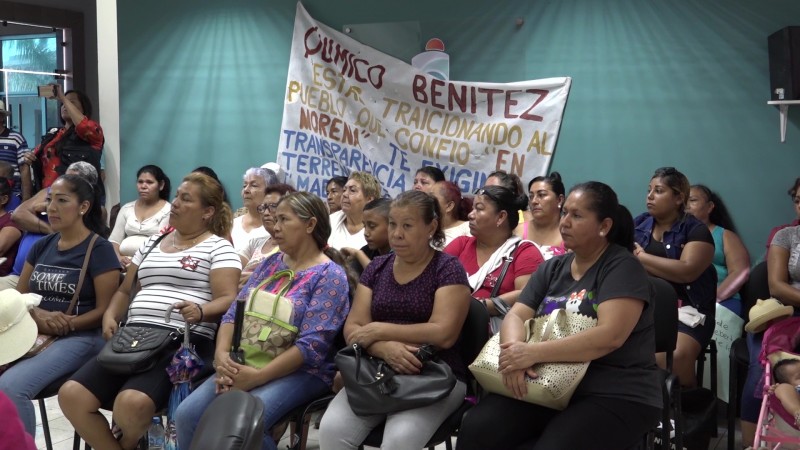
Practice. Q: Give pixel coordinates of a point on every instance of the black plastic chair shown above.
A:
(474, 334)
(233, 421)
(300, 418)
(756, 287)
(666, 330)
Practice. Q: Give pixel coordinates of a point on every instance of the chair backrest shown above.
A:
(665, 301)
(474, 332)
(757, 286)
(234, 420)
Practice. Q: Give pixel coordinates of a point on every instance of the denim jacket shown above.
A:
(700, 293)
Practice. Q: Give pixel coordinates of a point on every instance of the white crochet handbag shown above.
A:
(556, 382)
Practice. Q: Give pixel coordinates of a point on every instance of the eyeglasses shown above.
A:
(264, 207)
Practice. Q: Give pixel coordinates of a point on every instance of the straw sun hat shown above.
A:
(17, 329)
(765, 311)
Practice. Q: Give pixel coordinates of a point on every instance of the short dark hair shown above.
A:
(380, 206)
(433, 172)
(779, 369)
(339, 181)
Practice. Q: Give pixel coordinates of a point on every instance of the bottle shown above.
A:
(155, 435)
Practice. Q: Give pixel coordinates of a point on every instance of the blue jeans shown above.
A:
(28, 377)
(751, 405)
(279, 396)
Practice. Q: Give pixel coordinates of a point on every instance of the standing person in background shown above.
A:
(143, 217)
(249, 226)
(678, 248)
(13, 148)
(333, 191)
(79, 134)
(546, 197)
(426, 177)
(347, 226)
(731, 260)
(455, 210)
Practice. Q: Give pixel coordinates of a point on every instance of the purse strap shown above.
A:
(82, 275)
(281, 292)
(501, 306)
(136, 275)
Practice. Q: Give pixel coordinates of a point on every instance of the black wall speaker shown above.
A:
(784, 63)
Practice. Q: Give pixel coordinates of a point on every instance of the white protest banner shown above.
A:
(349, 107)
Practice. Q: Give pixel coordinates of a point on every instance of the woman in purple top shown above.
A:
(414, 296)
(320, 296)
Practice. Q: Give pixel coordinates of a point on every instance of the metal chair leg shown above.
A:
(48, 442)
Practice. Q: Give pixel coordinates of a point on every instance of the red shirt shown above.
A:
(88, 130)
(526, 260)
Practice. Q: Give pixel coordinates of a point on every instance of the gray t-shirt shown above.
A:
(789, 238)
(629, 372)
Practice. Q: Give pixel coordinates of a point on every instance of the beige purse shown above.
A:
(556, 382)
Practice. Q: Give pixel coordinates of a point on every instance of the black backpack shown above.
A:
(72, 149)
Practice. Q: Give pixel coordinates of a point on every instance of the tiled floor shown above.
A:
(62, 432)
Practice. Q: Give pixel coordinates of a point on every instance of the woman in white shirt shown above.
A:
(143, 217)
(347, 228)
(249, 226)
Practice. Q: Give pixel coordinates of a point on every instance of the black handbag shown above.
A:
(372, 386)
(135, 349)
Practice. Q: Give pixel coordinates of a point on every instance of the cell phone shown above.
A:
(47, 91)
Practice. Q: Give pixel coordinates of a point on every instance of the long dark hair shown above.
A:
(160, 176)
(85, 191)
(603, 202)
(719, 214)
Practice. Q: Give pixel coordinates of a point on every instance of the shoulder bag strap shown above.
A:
(82, 275)
(136, 275)
(507, 262)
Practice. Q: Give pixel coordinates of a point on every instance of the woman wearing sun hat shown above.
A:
(783, 272)
(17, 333)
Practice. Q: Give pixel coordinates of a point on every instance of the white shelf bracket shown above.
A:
(783, 108)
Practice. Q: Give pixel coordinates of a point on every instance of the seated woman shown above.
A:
(731, 260)
(10, 234)
(619, 398)
(143, 217)
(426, 177)
(347, 225)
(455, 210)
(546, 196)
(793, 191)
(511, 182)
(320, 297)
(414, 296)
(249, 226)
(333, 193)
(783, 272)
(492, 222)
(53, 270)
(260, 248)
(679, 248)
(192, 271)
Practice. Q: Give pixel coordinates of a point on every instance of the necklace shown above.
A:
(185, 247)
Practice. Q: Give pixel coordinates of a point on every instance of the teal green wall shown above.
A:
(681, 83)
